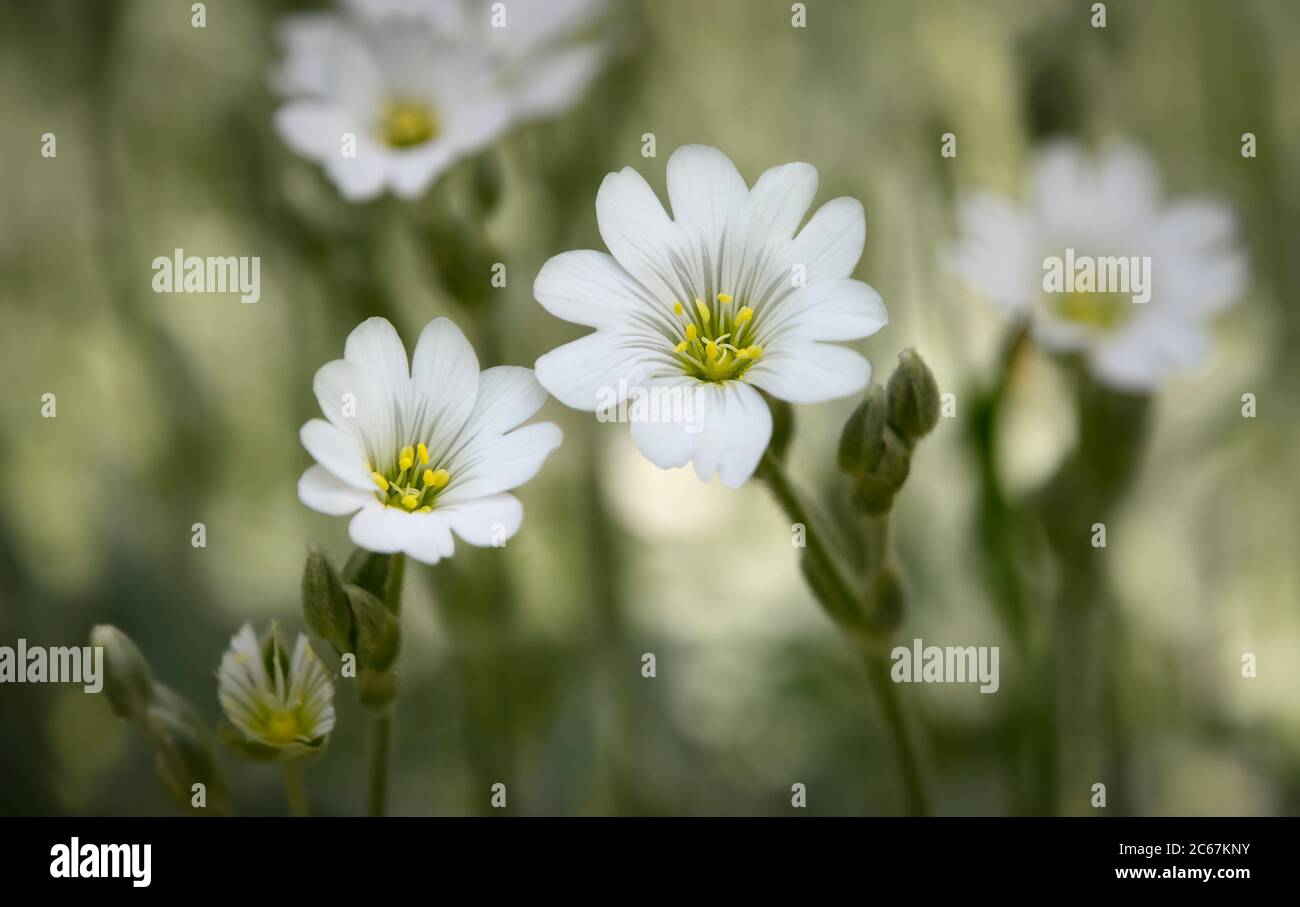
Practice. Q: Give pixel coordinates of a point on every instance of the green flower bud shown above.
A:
(325, 606)
(378, 634)
(862, 442)
(127, 682)
(913, 398)
(874, 493)
(186, 755)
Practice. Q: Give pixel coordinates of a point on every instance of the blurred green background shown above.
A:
(522, 665)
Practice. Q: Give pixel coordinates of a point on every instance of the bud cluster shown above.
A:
(877, 443)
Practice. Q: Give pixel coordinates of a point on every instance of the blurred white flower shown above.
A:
(390, 93)
(420, 451)
(1105, 209)
(275, 700)
(727, 296)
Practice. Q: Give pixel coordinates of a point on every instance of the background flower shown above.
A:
(1106, 206)
(414, 87)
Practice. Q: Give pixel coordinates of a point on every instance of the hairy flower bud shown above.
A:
(325, 606)
(913, 398)
(862, 442)
(378, 634)
(128, 683)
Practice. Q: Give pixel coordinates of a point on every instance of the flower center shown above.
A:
(282, 727)
(717, 339)
(406, 124)
(1103, 311)
(411, 484)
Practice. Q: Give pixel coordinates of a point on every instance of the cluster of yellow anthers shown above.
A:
(406, 124)
(409, 486)
(716, 342)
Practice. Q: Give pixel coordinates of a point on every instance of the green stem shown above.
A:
(379, 765)
(297, 792)
(384, 721)
(837, 596)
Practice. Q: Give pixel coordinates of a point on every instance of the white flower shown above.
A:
(392, 94)
(727, 296)
(274, 699)
(1102, 211)
(422, 451)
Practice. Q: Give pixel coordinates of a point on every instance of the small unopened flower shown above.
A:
(1101, 266)
(423, 449)
(388, 95)
(275, 699)
(727, 297)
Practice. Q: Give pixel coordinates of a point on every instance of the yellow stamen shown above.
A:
(754, 351)
(407, 458)
(425, 509)
(409, 501)
(282, 727)
(744, 315)
(428, 478)
(380, 481)
(711, 350)
(703, 310)
(680, 348)
(677, 308)
(692, 333)
(423, 453)
(724, 298)
(439, 478)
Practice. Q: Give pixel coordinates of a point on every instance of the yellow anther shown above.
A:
(692, 334)
(439, 478)
(711, 350)
(677, 308)
(703, 310)
(423, 453)
(407, 458)
(380, 481)
(409, 501)
(425, 509)
(681, 347)
(428, 478)
(744, 315)
(742, 354)
(754, 351)
(724, 298)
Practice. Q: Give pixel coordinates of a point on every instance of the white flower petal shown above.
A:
(672, 442)
(325, 492)
(807, 372)
(597, 370)
(837, 309)
(444, 381)
(313, 129)
(555, 83)
(590, 288)
(1128, 183)
(706, 191)
(501, 463)
(375, 347)
(337, 451)
(352, 400)
(485, 521)
(508, 396)
(996, 253)
(737, 427)
(639, 234)
(831, 243)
